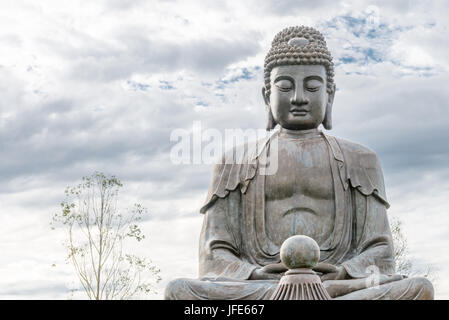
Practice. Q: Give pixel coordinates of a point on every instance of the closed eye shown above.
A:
(313, 85)
(284, 85)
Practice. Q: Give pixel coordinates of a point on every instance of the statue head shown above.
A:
(299, 80)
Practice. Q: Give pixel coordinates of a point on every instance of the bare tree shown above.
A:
(97, 232)
(403, 262)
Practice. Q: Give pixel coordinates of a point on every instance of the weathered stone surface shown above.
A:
(300, 252)
(327, 188)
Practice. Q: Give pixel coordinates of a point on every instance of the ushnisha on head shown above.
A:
(298, 69)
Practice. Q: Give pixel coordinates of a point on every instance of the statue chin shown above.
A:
(303, 122)
(332, 189)
(299, 127)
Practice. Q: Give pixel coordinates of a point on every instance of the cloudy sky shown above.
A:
(100, 85)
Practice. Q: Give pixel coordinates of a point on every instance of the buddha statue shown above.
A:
(327, 188)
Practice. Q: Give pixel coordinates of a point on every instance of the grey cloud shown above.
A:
(25, 289)
(404, 120)
(98, 60)
(11, 40)
(292, 7)
(80, 141)
(123, 4)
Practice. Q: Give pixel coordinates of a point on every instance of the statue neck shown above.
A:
(300, 134)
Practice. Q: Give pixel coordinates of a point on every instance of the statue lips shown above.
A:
(299, 111)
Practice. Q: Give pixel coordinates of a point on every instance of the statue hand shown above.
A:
(261, 274)
(275, 268)
(330, 271)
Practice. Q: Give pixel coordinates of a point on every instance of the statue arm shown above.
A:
(371, 242)
(374, 247)
(219, 242)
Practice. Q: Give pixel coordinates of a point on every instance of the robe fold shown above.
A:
(235, 222)
(234, 240)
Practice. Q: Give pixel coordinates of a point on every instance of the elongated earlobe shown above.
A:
(327, 122)
(271, 123)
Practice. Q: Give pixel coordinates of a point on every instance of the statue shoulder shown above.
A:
(358, 155)
(363, 169)
(353, 147)
(239, 154)
(234, 171)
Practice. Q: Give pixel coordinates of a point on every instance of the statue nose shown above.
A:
(299, 98)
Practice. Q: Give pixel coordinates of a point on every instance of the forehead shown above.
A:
(299, 70)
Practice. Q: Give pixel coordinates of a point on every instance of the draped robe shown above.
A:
(234, 240)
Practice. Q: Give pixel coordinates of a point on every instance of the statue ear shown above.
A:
(271, 123)
(266, 97)
(327, 122)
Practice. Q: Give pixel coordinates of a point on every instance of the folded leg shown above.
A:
(407, 289)
(196, 289)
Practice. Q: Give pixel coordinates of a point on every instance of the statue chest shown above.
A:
(299, 197)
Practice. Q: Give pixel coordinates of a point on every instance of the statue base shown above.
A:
(300, 284)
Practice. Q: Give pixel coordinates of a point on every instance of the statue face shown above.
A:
(298, 96)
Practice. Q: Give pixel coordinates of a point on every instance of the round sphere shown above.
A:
(300, 252)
